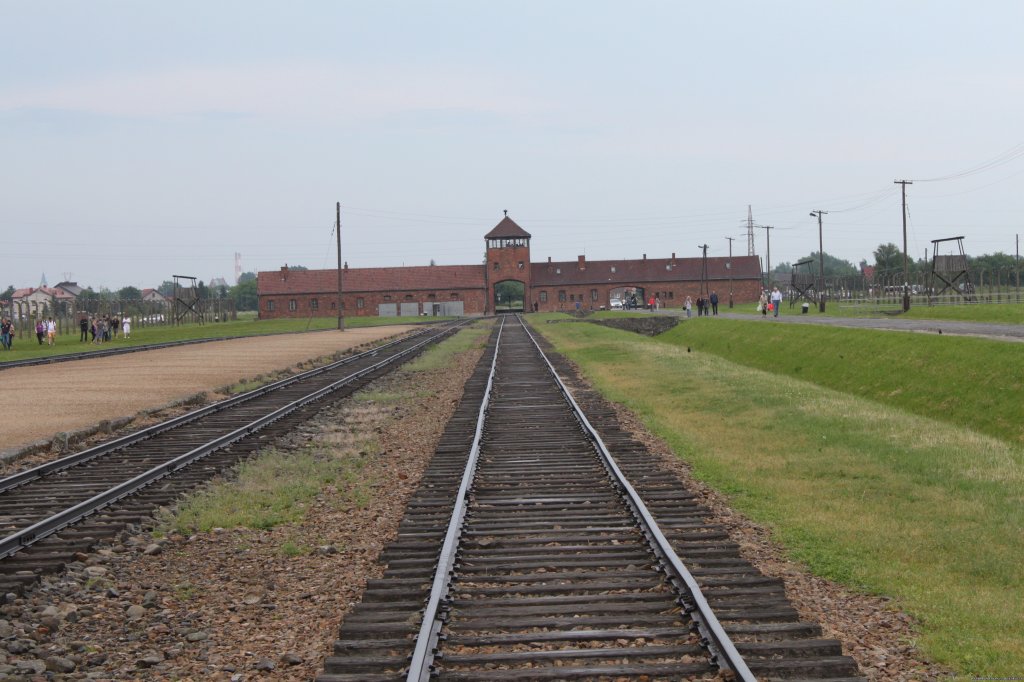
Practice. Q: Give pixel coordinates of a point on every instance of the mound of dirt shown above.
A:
(648, 326)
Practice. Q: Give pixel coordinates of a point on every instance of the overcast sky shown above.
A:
(144, 139)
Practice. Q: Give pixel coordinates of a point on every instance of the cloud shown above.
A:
(309, 92)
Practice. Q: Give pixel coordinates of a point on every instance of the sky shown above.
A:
(141, 140)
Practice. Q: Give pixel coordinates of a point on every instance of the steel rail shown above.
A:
(27, 536)
(420, 665)
(723, 652)
(22, 477)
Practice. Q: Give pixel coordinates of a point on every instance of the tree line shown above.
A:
(888, 258)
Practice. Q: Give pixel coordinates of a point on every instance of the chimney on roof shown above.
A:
(284, 272)
(645, 256)
(581, 262)
(673, 255)
(549, 259)
(346, 265)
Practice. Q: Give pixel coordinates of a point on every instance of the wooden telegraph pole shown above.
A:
(729, 265)
(821, 261)
(906, 269)
(337, 227)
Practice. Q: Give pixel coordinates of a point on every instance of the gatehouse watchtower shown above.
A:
(507, 269)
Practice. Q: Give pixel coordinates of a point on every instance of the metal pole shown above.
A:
(337, 226)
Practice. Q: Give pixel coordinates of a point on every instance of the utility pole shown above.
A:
(768, 256)
(703, 269)
(750, 231)
(821, 261)
(728, 266)
(906, 269)
(337, 228)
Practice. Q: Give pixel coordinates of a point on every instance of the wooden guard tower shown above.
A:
(508, 260)
(951, 270)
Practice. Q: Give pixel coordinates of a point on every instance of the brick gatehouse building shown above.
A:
(508, 280)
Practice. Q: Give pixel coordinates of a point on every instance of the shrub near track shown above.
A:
(864, 493)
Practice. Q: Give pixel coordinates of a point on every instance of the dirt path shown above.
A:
(44, 400)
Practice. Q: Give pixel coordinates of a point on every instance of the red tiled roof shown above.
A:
(60, 294)
(507, 229)
(414, 278)
(639, 271)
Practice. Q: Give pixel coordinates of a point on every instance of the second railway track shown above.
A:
(547, 568)
(51, 513)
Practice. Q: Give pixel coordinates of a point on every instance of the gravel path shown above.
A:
(43, 400)
(998, 332)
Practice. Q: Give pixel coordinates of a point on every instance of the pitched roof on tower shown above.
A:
(507, 229)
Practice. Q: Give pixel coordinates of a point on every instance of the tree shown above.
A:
(244, 294)
(993, 261)
(247, 277)
(6, 296)
(888, 258)
(166, 288)
(129, 293)
(834, 267)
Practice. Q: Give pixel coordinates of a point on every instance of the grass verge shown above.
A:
(863, 493)
(970, 382)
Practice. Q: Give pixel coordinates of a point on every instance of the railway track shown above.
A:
(52, 513)
(543, 546)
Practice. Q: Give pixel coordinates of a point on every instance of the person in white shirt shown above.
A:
(126, 326)
(776, 301)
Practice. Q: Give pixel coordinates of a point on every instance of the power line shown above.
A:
(1014, 152)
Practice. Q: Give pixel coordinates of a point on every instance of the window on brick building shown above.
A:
(561, 295)
(387, 297)
(543, 297)
(431, 297)
(593, 294)
(334, 305)
(314, 304)
(497, 265)
(671, 294)
(454, 296)
(408, 297)
(270, 305)
(572, 297)
(360, 302)
(293, 304)
(522, 265)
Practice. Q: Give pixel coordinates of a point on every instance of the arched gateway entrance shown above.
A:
(509, 296)
(629, 297)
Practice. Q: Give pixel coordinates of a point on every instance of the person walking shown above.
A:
(6, 327)
(83, 326)
(762, 303)
(126, 327)
(688, 305)
(40, 331)
(51, 332)
(714, 303)
(776, 301)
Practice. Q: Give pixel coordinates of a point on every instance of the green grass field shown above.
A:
(892, 463)
(27, 348)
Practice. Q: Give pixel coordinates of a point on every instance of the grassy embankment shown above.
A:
(276, 488)
(890, 462)
(28, 348)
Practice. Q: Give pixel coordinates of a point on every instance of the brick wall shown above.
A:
(472, 301)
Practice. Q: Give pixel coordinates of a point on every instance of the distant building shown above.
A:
(70, 287)
(37, 298)
(484, 289)
(153, 295)
(218, 282)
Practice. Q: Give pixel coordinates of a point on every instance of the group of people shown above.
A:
(102, 329)
(705, 306)
(769, 302)
(94, 329)
(46, 329)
